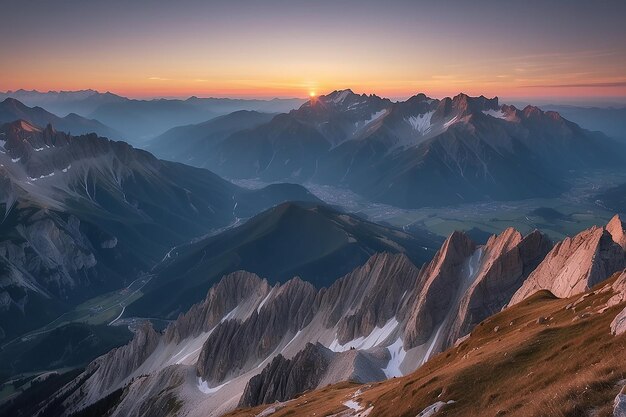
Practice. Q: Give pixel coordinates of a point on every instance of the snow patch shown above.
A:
(432, 345)
(450, 122)
(229, 315)
(421, 122)
(353, 405)
(375, 338)
(16, 159)
(498, 114)
(292, 339)
(372, 119)
(203, 386)
(341, 96)
(434, 408)
(397, 352)
(258, 309)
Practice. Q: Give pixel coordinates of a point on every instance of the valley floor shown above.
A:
(575, 210)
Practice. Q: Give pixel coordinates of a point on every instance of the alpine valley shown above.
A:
(288, 258)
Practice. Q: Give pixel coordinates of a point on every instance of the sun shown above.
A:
(312, 94)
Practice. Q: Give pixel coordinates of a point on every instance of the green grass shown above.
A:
(499, 216)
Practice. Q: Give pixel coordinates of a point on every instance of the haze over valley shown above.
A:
(300, 209)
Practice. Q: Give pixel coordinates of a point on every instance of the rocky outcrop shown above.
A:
(351, 309)
(235, 290)
(464, 284)
(616, 228)
(283, 378)
(575, 265)
(436, 288)
(54, 253)
(235, 345)
(369, 296)
(119, 363)
(506, 261)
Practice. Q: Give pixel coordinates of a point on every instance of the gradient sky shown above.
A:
(141, 48)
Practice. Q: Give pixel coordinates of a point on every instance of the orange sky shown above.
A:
(287, 49)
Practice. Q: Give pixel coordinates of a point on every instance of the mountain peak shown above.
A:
(23, 125)
(418, 98)
(10, 101)
(616, 228)
(465, 102)
(578, 263)
(338, 96)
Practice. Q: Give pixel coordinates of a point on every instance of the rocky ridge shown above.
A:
(578, 263)
(356, 329)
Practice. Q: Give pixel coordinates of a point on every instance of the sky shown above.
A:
(151, 48)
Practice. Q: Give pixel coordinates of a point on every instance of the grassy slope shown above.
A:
(567, 366)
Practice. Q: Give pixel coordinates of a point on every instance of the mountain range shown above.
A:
(314, 242)
(609, 120)
(420, 152)
(140, 120)
(192, 143)
(83, 215)
(251, 342)
(132, 285)
(12, 110)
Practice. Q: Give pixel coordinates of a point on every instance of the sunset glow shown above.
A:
(223, 49)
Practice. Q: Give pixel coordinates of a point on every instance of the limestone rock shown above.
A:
(616, 228)
(284, 378)
(575, 265)
(232, 291)
(235, 344)
(436, 287)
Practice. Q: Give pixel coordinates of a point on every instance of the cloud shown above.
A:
(579, 85)
(158, 79)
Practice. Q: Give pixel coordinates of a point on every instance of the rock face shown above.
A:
(368, 297)
(438, 286)
(465, 284)
(284, 378)
(386, 303)
(128, 358)
(235, 344)
(576, 264)
(506, 262)
(616, 228)
(233, 291)
(105, 374)
(362, 304)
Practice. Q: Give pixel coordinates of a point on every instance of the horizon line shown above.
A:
(615, 99)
